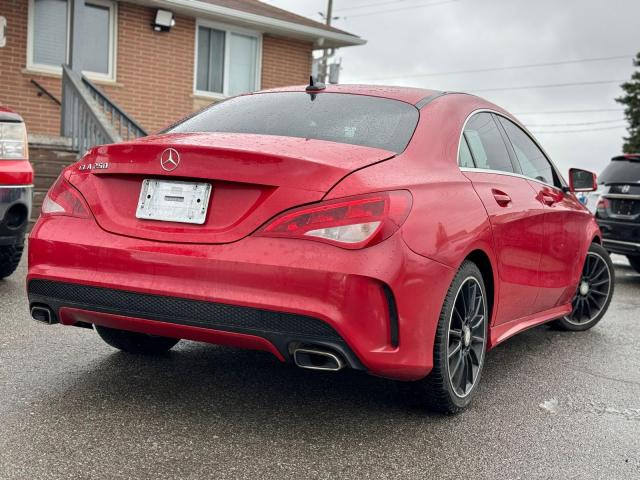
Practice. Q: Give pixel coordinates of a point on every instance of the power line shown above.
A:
(394, 2)
(549, 85)
(511, 67)
(573, 124)
(554, 112)
(577, 131)
(432, 4)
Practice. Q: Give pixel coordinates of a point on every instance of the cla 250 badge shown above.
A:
(93, 166)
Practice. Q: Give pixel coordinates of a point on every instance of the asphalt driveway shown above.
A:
(551, 405)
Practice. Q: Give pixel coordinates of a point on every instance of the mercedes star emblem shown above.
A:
(169, 160)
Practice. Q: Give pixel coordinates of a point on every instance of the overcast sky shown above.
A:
(407, 38)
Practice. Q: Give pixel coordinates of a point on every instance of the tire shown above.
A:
(442, 391)
(593, 294)
(10, 256)
(137, 343)
(634, 260)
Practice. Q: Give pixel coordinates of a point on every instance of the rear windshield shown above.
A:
(353, 119)
(621, 171)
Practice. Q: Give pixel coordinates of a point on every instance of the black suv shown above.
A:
(618, 207)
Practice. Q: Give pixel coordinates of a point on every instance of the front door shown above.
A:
(565, 221)
(561, 261)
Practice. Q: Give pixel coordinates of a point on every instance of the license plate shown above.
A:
(173, 201)
(624, 207)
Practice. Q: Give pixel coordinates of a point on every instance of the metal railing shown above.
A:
(43, 91)
(127, 127)
(89, 117)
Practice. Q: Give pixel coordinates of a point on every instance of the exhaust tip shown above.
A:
(314, 359)
(43, 315)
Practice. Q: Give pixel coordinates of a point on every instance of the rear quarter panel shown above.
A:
(447, 220)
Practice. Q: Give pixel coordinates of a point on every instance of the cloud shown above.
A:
(474, 34)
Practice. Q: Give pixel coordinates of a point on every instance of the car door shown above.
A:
(565, 221)
(516, 215)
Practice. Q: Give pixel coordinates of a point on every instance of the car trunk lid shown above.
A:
(253, 178)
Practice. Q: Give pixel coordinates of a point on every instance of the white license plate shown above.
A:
(173, 201)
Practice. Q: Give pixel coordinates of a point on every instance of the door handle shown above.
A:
(548, 199)
(501, 198)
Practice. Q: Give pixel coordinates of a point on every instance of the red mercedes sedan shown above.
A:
(398, 231)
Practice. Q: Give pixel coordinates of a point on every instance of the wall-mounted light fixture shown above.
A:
(164, 21)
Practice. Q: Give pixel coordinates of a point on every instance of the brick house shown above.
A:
(216, 48)
(129, 67)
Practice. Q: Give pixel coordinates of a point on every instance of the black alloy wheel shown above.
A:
(459, 348)
(593, 293)
(466, 337)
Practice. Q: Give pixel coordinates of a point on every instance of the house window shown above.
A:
(227, 61)
(210, 60)
(96, 25)
(49, 32)
(48, 45)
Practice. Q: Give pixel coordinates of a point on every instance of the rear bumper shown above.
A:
(261, 293)
(74, 303)
(621, 247)
(620, 237)
(15, 208)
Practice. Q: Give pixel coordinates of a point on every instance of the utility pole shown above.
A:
(324, 67)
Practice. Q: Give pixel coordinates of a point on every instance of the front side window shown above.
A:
(334, 117)
(533, 162)
(49, 36)
(486, 144)
(226, 61)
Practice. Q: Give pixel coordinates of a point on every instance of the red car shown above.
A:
(398, 231)
(16, 186)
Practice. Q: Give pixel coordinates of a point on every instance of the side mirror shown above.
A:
(582, 180)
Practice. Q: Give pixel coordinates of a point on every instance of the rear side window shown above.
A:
(353, 119)
(486, 143)
(465, 159)
(533, 162)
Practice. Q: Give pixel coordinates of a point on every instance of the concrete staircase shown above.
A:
(48, 155)
(89, 117)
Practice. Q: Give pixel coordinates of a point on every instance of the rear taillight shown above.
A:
(353, 222)
(603, 207)
(63, 199)
(13, 141)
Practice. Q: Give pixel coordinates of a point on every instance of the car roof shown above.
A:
(410, 95)
(627, 156)
(419, 97)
